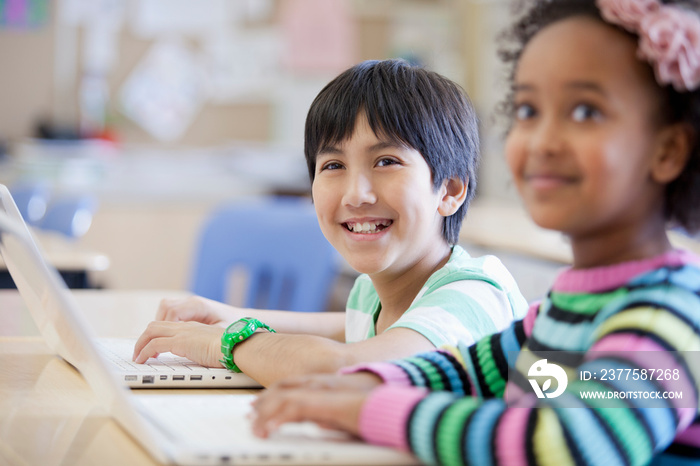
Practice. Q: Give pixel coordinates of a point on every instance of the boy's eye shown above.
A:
(524, 111)
(386, 161)
(331, 166)
(584, 112)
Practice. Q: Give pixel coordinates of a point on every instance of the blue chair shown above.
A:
(289, 263)
(32, 199)
(70, 215)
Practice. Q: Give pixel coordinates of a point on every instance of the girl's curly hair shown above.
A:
(682, 202)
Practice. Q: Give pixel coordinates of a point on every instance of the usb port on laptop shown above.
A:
(195, 377)
(130, 378)
(178, 377)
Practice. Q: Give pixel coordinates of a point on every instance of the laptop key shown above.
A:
(160, 367)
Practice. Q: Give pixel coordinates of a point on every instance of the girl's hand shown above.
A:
(196, 309)
(332, 409)
(196, 341)
(360, 381)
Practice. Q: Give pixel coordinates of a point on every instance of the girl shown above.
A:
(604, 147)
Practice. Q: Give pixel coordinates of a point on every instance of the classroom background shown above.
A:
(161, 110)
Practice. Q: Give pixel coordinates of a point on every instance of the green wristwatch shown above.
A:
(236, 333)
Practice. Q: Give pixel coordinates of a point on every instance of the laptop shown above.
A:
(174, 429)
(166, 371)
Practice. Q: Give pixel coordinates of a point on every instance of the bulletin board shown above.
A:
(178, 72)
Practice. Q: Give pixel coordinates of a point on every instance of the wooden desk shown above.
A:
(48, 413)
(508, 227)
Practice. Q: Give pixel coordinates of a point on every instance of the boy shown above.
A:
(392, 151)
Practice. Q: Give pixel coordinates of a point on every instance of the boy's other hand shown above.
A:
(196, 341)
(191, 308)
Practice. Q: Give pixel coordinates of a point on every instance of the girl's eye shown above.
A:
(524, 112)
(584, 112)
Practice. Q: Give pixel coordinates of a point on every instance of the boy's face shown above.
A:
(376, 204)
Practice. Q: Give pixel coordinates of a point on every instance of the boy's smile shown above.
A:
(376, 204)
(367, 226)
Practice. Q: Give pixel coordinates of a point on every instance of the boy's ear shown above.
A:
(454, 194)
(674, 150)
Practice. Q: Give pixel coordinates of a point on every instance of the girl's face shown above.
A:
(376, 203)
(584, 134)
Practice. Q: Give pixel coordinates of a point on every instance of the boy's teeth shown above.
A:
(364, 227)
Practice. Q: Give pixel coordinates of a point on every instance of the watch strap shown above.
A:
(230, 339)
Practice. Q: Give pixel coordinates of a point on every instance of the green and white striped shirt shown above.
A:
(468, 298)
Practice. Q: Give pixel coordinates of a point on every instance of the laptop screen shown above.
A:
(49, 301)
(18, 252)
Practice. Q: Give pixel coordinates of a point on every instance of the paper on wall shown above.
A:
(241, 66)
(319, 36)
(157, 18)
(100, 50)
(165, 91)
(104, 14)
(23, 13)
(428, 37)
(258, 10)
(293, 97)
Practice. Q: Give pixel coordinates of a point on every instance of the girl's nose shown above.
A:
(359, 189)
(547, 137)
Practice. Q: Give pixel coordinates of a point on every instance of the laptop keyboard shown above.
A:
(167, 370)
(119, 351)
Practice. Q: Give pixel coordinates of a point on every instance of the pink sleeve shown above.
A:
(389, 373)
(385, 414)
(529, 320)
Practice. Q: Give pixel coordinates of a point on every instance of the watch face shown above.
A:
(237, 326)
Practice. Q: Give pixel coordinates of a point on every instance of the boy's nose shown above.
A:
(359, 189)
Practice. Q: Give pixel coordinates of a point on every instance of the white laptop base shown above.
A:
(222, 435)
(167, 370)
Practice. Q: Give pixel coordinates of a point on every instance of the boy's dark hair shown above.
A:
(410, 106)
(682, 201)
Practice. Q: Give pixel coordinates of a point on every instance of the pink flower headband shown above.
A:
(669, 38)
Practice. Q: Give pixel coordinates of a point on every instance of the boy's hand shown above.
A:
(192, 308)
(196, 341)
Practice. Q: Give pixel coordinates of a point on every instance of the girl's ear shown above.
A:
(674, 150)
(454, 192)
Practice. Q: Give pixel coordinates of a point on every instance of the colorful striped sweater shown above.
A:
(476, 404)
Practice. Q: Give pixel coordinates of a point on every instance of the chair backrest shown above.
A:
(70, 215)
(32, 199)
(289, 263)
